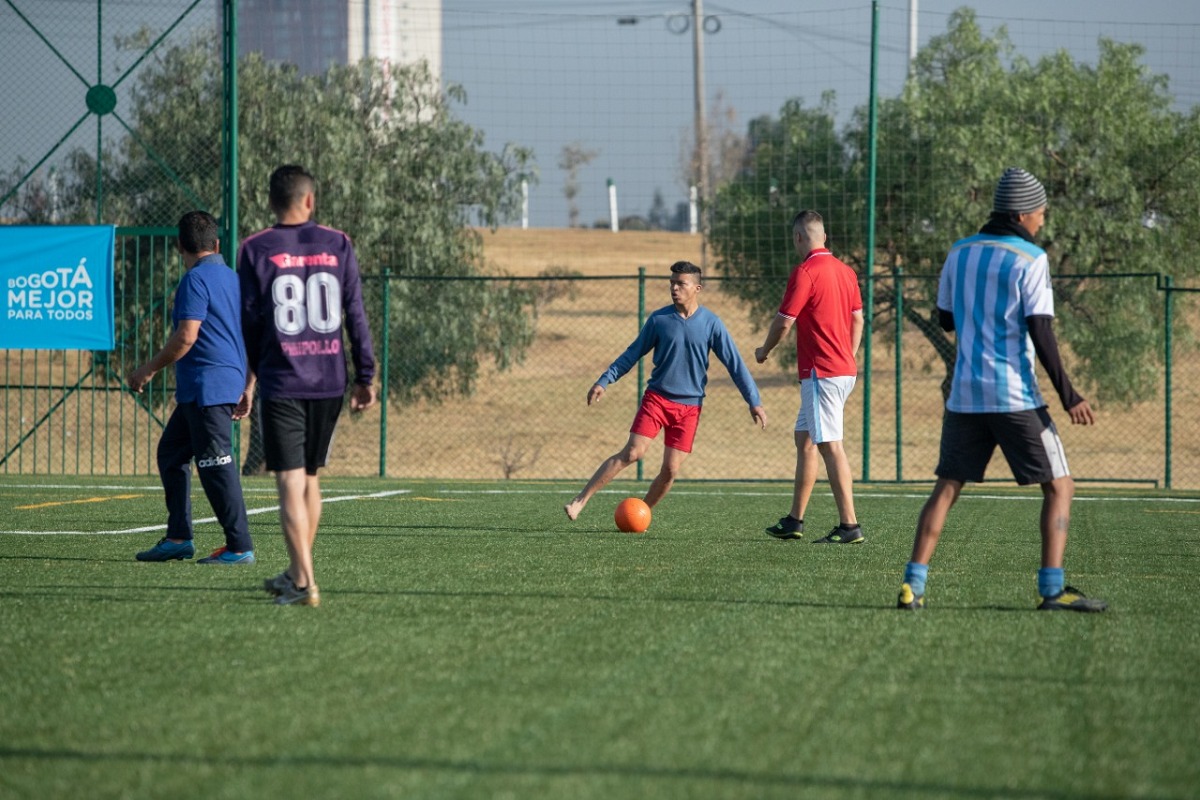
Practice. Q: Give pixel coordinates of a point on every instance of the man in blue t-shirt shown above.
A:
(210, 376)
(681, 336)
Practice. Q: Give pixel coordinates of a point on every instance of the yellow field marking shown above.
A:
(436, 499)
(250, 512)
(76, 502)
(1169, 511)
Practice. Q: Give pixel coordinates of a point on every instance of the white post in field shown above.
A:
(612, 206)
(693, 211)
(524, 204)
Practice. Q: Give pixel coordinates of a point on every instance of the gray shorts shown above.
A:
(1028, 440)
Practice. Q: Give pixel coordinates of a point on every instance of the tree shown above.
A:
(726, 147)
(36, 200)
(395, 169)
(796, 161)
(1113, 153)
(573, 157)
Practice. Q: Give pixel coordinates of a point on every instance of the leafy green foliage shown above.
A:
(795, 161)
(1120, 164)
(395, 169)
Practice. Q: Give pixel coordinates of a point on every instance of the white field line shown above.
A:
(787, 492)
(784, 490)
(250, 512)
(966, 495)
(149, 487)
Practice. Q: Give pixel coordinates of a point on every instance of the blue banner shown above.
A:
(58, 287)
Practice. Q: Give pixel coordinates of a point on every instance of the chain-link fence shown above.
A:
(66, 413)
(123, 115)
(532, 421)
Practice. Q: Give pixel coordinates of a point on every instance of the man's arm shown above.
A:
(246, 401)
(251, 323)
(640, 346)
(779, 328)
(857, 324)
(362, 352)
(727, 353)
(1045, 345)
(177, 347)
(643, 344)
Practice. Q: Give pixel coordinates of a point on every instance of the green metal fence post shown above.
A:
(99, 117)
(230, 123)
(229, 146)
(384, 372)
(898, 278)
(1167, 378)
(641, 380)
(869, 310)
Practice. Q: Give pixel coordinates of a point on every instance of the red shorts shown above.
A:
(657, 412)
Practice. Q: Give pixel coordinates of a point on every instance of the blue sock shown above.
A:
(914, 576)
(1050, 581)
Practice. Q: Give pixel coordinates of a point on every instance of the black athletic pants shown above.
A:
(204, 433)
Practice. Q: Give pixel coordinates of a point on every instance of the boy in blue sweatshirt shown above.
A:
(681, 336)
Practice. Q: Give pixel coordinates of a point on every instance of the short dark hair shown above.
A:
(687, 268)
(289, 184)
(198, 232)
(805, 218)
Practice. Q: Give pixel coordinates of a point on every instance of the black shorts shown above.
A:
(298, 433)
(1028, 440)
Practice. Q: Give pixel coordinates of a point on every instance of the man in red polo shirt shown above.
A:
(823, 301)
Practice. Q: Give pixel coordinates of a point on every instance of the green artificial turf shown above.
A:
(472, 642)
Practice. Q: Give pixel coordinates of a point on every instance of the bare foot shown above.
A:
(573, 508)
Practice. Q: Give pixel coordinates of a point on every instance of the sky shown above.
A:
(615, 77)
(545, 73)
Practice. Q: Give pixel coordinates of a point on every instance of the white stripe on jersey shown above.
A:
(991, 284)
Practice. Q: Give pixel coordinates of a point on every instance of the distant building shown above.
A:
(312, 34)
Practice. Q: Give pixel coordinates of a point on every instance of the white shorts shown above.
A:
(822, 402)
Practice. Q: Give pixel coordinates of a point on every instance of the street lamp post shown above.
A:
(700, 25)
(701, 166)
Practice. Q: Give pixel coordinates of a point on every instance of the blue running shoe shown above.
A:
(166, 550)
(223, 556)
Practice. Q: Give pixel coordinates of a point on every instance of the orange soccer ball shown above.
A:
(632, 515)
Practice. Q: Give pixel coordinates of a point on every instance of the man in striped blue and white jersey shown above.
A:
(995, 294)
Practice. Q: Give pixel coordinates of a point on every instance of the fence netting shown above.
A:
(568, 120)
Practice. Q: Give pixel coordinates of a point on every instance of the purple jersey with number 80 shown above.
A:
(300, 288)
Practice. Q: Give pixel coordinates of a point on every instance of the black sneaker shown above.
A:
(278, 584)
(840, 535)
(908, 599)
(1071, 599)
(787, 528)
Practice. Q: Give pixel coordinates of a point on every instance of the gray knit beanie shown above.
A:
(1018, 192)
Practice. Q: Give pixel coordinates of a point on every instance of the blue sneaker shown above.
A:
(223, 556)
(166, 550)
